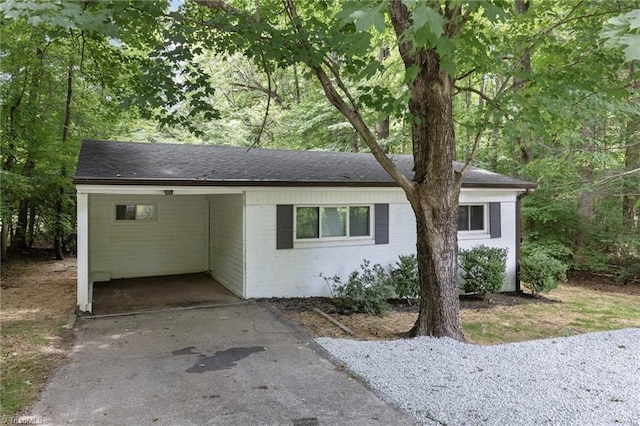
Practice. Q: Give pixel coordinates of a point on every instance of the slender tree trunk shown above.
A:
(4, 240)
(296, 82)
(526, 152)
(586, 197)
(31, 230)
(382, 128)
(632, 162)
(20, 237)
(19, 240)
(58, 241)
(355, 141)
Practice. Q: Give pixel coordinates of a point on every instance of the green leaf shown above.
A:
(366, 18)
(364, 14)
(447, 64)
(492, 12)
(425, 16)
(411, 73)
(632, 51)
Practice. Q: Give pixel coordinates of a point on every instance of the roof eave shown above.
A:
(262, 183)
(198, 182)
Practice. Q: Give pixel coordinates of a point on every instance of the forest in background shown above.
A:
(548, 102)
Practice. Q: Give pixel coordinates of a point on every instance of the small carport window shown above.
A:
(139, 212)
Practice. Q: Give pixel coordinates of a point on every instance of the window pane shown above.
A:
(334, 221)
(463, 218)
(359, 221)
(307, 223)
(477, 218)
(125, 212)
(145, 212)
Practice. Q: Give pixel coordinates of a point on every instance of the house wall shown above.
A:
(174, 244)
(226, 243)
(508, 224)
(296, 272)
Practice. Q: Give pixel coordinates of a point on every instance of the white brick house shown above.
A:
(263, 223)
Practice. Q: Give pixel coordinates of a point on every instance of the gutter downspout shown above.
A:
(519, 235)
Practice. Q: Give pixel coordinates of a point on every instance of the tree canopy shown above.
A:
(543, 91)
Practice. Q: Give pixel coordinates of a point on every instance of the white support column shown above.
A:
(83, 286)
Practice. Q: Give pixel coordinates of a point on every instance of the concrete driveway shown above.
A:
(233, 365)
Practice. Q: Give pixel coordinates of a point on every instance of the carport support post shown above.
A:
(83, 252)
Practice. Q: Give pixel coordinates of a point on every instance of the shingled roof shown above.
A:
(130, 163)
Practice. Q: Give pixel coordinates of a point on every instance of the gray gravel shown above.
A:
(590, 379)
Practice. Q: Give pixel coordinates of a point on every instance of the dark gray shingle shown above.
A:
(110, 162)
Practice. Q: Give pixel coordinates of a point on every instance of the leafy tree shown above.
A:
(508, 63)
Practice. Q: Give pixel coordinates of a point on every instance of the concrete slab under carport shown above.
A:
(160, 292)
(233, 365)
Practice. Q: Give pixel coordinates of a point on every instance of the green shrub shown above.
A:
(483, 269)
(404, 277)
(626, 262)
(367, 290)
(541, 273)
(550, 247)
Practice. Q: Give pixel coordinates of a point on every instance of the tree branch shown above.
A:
(227, 8)
(477, 92)
(267, 91)
(265, 66)
(358, 123)
(618, 176)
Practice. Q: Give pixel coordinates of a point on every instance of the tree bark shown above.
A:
(526, 153)
(437, 187)
(382, 128)
(19, 240)
(58, 241)
(632, 162)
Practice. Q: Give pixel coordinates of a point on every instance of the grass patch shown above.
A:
(577, 311)
(30, 351)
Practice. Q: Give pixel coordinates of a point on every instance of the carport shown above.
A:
(158, 245)
(153, 293)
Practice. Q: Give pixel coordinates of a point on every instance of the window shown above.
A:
(138, 212)
(471, 218)
(333, 222)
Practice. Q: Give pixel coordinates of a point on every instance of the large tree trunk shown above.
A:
(437, 185)
(433, 192)
(435, 201)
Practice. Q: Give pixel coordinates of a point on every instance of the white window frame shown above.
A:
(485, 232)
(340, 238)
(117, 221)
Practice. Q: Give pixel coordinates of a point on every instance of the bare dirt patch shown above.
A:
(585, 303)
(38, 294)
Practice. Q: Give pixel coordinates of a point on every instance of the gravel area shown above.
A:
(590, 379)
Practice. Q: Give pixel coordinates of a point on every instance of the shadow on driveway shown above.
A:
(231, 365)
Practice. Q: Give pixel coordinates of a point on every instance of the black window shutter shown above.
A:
(284, 226)
(495, 224)
(381, 217)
